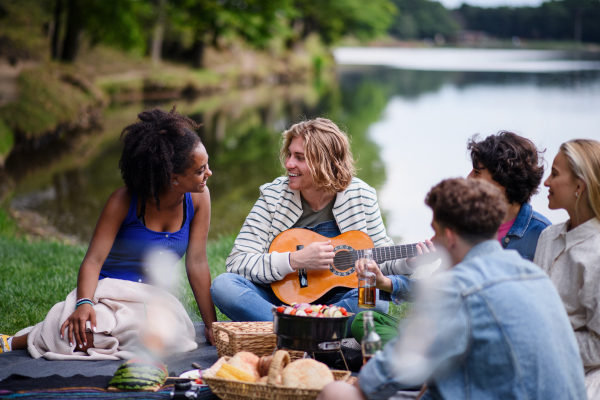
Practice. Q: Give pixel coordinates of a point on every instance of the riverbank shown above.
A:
(49, 99)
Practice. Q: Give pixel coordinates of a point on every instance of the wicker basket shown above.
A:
(227, 389)
(255, 337)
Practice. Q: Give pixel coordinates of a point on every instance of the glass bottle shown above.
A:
(371, 342)
(366, 284)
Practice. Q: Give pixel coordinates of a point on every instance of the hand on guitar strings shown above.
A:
(427, 254)
(382, 282)
(315, 256)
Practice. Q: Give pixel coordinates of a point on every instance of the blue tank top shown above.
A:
(135, 242)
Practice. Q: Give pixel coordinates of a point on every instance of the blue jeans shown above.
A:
(243, 300)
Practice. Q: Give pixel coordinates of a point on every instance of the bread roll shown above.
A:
(306, 374)
(247, 362)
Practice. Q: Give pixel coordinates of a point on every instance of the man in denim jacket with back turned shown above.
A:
(490, 327)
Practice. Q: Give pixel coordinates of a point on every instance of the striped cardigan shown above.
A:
(279, 207)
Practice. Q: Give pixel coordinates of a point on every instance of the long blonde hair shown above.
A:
(584, 160)
(327, 152)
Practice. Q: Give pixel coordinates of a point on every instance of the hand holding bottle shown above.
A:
(382, 282)
(367, 280)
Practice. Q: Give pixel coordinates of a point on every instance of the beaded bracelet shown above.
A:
(84, 302)
(84, 298)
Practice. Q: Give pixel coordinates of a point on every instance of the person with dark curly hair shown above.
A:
(514, 165)
(145, 228)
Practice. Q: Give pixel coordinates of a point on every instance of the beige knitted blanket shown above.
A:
(123, 309)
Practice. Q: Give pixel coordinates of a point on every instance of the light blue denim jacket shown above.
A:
(523, 235)
(492, 327)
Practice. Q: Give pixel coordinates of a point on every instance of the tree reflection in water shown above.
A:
(241, 131)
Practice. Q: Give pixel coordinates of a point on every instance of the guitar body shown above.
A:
(340, 274)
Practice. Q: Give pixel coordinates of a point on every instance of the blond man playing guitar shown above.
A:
(319, 193)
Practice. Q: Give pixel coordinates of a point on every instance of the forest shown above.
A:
(181, 30)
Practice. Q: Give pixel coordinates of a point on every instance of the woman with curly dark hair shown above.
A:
(146, 226)
(513, 164)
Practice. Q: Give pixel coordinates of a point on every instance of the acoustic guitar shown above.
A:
(307, 286)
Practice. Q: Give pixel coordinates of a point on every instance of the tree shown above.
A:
(577, 20)
(257, 21)
(118, 23)
(422, 19)
(332, 19)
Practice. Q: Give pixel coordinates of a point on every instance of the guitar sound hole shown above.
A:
(343, 261)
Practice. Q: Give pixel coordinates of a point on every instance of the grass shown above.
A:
(217, 252)
(45, 101)
(38, 274)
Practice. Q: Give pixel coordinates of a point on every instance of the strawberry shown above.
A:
(280, 309)
(343, 310)
(308, 310)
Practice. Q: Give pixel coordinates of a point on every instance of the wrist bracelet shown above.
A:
(84, 302)
(82, 299)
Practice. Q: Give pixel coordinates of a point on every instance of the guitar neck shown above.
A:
(383, 254)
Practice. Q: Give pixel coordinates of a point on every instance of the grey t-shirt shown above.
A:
(311, 218)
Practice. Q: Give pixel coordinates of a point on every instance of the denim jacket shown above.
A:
(523, 235)
(491, 327)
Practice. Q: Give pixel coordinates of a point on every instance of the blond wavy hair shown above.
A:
(327, 152)
(584, 160)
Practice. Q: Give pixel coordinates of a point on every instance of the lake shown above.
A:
(409, 113)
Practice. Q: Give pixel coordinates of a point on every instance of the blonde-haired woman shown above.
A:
(570, 252)
(320, 193)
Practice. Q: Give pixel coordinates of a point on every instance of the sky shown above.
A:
(491, 3)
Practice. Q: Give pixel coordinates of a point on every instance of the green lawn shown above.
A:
(35, 275)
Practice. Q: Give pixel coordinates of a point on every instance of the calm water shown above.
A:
(409, 129)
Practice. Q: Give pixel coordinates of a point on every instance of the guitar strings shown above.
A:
(406, 250)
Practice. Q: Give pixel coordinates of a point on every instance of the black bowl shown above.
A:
(309, 334)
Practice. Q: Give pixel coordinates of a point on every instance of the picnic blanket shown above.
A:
(21, 376)
(78, 387)
(123, 309)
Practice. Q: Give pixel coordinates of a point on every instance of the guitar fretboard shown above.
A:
(383, 254)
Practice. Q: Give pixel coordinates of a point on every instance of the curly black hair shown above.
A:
(513, 161)
(158, 145)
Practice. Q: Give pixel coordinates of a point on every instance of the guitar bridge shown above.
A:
(302, 278)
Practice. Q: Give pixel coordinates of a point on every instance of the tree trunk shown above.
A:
(75, 25)
(578, 25)
(159, 31)
(198, 52)
(55, 44)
